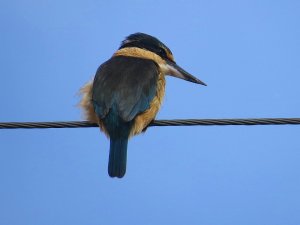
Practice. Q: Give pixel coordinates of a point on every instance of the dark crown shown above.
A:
(148, 42)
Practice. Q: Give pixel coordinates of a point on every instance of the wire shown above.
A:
(182, 122)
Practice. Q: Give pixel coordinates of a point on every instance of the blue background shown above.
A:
(248, 52)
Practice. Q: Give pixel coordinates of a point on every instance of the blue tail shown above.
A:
(118, 131)
(117, 157)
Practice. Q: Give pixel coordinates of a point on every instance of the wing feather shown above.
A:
(126, 83)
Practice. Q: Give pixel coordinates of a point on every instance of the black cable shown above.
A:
(178, 122)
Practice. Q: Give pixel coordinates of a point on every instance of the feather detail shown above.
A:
(143, 119)
(87, 106)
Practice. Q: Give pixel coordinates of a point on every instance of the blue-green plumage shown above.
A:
(127, 92)
(123, 87)
(118, 130)
(117, 157)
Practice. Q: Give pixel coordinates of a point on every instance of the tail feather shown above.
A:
(117, 157)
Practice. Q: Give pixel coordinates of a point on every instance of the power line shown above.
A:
(177, 122)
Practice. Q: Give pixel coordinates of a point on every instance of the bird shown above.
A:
(127, 92)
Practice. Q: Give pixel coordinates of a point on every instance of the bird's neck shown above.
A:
(140, 53)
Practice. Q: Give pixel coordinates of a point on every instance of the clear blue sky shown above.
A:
(248, 52)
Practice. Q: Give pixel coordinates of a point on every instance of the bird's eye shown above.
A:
(162, 52)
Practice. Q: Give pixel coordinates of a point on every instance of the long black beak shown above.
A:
(177, 71)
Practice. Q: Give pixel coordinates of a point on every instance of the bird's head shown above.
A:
(152, 44)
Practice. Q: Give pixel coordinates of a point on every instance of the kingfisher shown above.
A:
(127, 92)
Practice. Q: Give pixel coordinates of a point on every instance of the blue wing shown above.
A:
(125, 84)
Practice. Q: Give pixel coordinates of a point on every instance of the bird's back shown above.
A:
(123, 88)
(126, 84)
